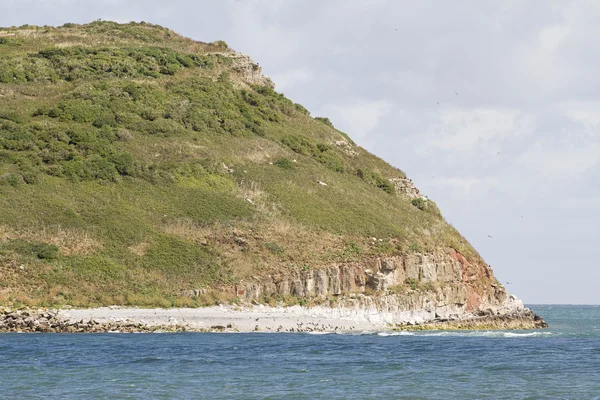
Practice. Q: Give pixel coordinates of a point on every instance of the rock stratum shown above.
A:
(139, 168)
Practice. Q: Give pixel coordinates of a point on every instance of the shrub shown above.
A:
(284, 163)
(301, 109)
(221, 43)
(325, 120)
(300, 144)
(124, 135)
(11, 116)
(373, 178)
(274, 248)
(331, 161)
(30, 176)
(415, 247)
(351, 249)
(11, 179)
(40, 250)
(420, 203)
(224, 76)
(45, 251)
(321, 152)
(124, 164)
(100, 168)
(412, 282)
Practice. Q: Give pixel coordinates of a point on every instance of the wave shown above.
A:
(400, 333)
(530, 334)
(361, 333)
(497, 334)
(376, 333)
(490, 334)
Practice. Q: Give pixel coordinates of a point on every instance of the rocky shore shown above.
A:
(51, 321)
(239, 319)
(525, 319)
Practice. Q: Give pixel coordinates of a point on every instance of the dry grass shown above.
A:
(139, 249)
(27, 32)
(261, 151)
(248, 247)
(251, 192)
(5, 92)
(64, 45)
(188, 230)
(68, 241)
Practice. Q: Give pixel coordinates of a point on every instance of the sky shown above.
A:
(491, 107)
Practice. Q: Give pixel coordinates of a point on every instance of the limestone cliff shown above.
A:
(411, 289)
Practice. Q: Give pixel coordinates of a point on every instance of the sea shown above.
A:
(562, 362)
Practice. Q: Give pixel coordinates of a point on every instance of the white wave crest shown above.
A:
(400, 333)
(497, 334)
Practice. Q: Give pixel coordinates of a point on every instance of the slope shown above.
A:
(138, 167)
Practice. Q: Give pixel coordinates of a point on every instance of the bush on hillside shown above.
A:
(373, 178)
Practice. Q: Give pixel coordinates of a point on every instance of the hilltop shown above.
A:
(142, 168)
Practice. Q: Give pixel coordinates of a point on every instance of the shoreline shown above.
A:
(258, 318)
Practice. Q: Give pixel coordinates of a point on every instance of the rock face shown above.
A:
(247, 68)
(414, 288)
(406, 187)
(251, 71)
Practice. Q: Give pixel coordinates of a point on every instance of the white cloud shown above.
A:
(466, 187)
(288, 79)
(560, 160)
(584, 113)
(465, 130)
(409, 82)
(358, 119)
(551, 37)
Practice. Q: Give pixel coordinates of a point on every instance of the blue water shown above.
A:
(562, 362)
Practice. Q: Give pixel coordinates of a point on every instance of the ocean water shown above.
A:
(562, 362)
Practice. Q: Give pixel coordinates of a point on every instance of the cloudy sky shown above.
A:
(491, 107)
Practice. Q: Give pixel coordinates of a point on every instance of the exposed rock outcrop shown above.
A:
(51, 321)
(398, 290)
(249, 70)
(406, 187)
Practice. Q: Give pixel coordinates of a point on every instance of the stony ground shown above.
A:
(230, 319)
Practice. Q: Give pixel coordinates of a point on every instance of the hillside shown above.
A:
(141, 168)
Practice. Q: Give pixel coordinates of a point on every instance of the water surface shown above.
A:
(562, 362)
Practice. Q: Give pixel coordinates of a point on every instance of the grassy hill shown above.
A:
(136, 164)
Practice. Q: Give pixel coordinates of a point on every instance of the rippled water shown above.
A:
(562, 362)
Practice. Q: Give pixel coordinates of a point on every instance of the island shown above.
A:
(151, 182)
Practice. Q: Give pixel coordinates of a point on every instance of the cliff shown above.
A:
(141, 168)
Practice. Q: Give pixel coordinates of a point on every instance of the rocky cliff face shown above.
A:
(408, 289)
(249, 70)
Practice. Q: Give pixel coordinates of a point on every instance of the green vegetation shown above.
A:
(426, 205)
(373, 178)
(284, 163)
(412, 282)
(129, 155)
